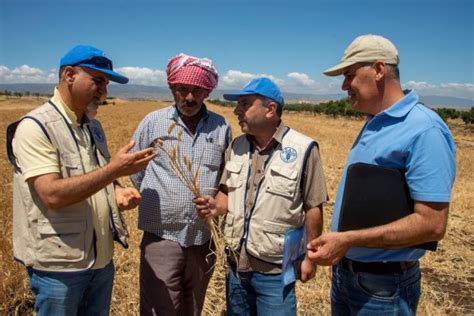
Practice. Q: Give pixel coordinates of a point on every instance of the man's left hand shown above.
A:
(308, 270)
(127, 198)
(328, 249)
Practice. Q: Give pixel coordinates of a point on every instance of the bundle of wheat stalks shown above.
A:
(182, 166)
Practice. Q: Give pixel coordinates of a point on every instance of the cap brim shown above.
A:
(112, 75)
(338, 69)
(236, 96)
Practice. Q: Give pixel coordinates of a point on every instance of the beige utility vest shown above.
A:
(59, 239)
(278, 205)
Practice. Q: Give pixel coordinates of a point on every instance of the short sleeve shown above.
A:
(431, 166)
(314, 183)
(33, 150)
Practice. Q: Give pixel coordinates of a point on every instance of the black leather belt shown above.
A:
(377, 267)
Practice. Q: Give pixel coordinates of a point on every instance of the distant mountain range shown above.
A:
(130, 91)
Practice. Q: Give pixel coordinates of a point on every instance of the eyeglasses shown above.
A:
(97, 79)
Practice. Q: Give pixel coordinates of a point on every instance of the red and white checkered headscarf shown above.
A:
(191, 70)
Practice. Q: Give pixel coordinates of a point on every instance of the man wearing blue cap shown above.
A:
(65, 200)
(273, 182)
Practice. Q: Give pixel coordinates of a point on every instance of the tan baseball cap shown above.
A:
(366, 48)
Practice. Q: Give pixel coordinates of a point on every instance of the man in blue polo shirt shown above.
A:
(374, 269)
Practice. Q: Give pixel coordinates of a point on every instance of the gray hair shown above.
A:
(393, 72)
(266, 101)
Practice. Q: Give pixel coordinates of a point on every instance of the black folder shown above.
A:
(374, 196)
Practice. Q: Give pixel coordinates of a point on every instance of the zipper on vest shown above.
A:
(79, 152)
(113, 227)
(248, 215)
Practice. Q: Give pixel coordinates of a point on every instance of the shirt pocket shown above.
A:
(61, 240)
(282, 181)
(212, 156)
(234, 175)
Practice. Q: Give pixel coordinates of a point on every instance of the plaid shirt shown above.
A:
(166, 208)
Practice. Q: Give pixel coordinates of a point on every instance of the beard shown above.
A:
(93, 107)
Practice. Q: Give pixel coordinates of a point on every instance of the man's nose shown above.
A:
(102, 88)
(345, 85)
(189, 97)
(237, 110)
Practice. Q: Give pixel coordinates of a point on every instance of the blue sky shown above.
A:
(290, 41)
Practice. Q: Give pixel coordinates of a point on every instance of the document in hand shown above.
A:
(294, 249)
(374, 196)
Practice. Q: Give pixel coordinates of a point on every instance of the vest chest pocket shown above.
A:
(62, 240)
(234, 172)
(282, 181)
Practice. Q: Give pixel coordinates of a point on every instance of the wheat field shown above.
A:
(448, 273)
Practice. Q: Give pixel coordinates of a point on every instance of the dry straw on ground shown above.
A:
(448, 274)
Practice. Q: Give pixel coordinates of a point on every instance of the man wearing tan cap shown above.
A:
(176, 261)
(375, 268)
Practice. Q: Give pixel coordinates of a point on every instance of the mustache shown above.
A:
(185, 103)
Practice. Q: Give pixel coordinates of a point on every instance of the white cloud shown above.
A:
(302, 83)
(235, 79)
(26, 74)
(144, 76)
(3, 71)
(26, 70)
(301, 78)
(458, 90)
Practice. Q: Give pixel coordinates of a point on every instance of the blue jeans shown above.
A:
(374, 294)
(72, 293)
(253, 293)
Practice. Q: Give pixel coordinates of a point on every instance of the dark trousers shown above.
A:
(173, 279)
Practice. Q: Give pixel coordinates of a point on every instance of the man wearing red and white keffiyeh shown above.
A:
(176, 261)
(191, 70)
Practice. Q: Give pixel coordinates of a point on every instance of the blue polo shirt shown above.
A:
(410, 137)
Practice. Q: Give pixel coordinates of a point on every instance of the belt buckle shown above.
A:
(350, 265)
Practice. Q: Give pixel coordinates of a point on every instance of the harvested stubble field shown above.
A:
(448, 274)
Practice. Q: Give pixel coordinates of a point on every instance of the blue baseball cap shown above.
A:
(93, 58)
(262, 86)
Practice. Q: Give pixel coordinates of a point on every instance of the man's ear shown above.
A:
(69, 74)
(380, 70)
(272, 109)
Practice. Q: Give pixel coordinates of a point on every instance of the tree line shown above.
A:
(343, 108)
(9, 93)
(338, 108)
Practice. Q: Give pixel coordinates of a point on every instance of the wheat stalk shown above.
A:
(182, 167)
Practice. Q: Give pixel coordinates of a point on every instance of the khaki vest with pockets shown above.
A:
(279, 204)
(60, 239)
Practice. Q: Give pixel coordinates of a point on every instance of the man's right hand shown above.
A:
(206, 206)
(125, 163)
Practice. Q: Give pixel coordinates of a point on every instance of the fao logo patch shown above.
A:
(288, 154)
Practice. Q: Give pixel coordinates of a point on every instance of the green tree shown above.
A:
(468, 116)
